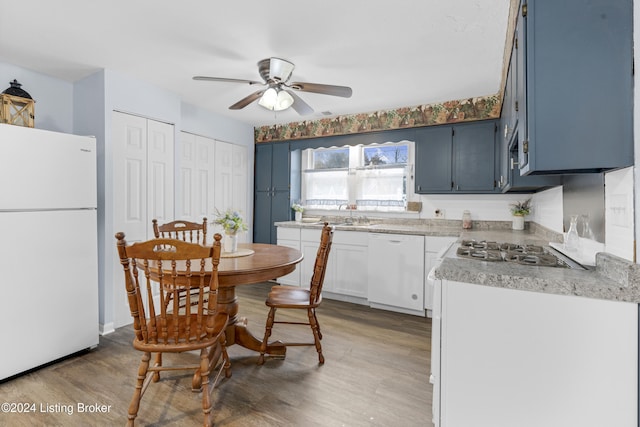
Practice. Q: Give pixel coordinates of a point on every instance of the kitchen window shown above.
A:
(371, 177)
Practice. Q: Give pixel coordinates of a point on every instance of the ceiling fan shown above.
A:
(279, 95)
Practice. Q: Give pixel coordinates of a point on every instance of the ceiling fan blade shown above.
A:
(224, 79)
(343, 91)
(299, 105)
(246, 100)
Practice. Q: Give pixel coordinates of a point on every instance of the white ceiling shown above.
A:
(392, 53)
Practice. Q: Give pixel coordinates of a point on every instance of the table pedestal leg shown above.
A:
(236, 333)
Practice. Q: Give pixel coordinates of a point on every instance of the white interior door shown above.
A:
(186, 187)
(231, 179)
(142, 187)
(129, 137)
(160, 157)
(204, 176)
(196, 177)
(239, 178)
(223, 199)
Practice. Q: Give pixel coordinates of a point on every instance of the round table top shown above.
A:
(266, 263)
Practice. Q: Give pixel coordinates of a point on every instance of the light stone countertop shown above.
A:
(613, 278)
(417, 228)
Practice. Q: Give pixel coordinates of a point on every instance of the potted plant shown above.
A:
(519, 210)
(232, 223)
(298, 209)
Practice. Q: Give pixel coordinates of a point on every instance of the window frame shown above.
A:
(356, 162)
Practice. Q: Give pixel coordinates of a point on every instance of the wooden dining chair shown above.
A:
(182, 230)
(293, 297)
(172, 266)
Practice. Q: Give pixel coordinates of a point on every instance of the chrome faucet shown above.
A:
(350, 219)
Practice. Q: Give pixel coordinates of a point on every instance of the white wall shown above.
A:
(54, 97)
(546, 207)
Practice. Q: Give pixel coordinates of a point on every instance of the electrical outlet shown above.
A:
(439, 213)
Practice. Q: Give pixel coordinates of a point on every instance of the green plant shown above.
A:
(231, 221)
(297, 207)
(521, 208)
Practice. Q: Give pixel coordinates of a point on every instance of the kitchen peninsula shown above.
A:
(612, 278)
(516, 344)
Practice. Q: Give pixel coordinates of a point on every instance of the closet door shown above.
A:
(159, 173)
(142, 188)
(196, 177)
(129, 194)
(231, 180)
(223, 198)
(240, 173)
(186, 191)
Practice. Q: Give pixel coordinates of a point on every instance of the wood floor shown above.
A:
(376, 374)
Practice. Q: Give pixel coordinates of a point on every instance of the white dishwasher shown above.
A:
(395, 272)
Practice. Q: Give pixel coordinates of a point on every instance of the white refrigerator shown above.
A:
(48, 250)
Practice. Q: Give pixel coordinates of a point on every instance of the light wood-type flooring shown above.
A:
(376, 374)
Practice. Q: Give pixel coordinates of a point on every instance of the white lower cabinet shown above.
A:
(508, 357)
(385, 271)
(346, 275)
(434, 249)
(348, 257)
(395, 273)
(290, 237)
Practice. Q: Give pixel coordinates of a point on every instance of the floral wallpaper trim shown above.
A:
(469, 109)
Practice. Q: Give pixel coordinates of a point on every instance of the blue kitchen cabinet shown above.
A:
(509, 178)
(505, 129)
(576, 96)
(272, 202)
(433, 163)
(457, 158)
(474, 157)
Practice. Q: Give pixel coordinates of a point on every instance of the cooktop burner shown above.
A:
(533, 255)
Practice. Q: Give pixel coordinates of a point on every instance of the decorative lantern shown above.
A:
(17, 106)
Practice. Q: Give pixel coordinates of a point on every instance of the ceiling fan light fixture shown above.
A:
(275, 100)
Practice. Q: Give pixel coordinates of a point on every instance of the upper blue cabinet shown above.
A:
(573, 91)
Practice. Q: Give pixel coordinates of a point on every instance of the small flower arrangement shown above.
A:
(297, 207)
(521, 208)
(231, 221)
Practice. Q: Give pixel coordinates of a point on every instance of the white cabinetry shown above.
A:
(309, 243)
(290, 237)
(346, 275)
(434, 248)
(349, 256)
(396, 272)
(143, 165)
(528, 359)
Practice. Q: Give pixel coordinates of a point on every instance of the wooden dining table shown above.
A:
(266, 262)
(253, 263)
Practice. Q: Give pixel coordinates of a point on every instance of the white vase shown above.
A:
(298, 216)
(232, 243)
(518, 222)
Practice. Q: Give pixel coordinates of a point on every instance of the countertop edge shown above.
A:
(613, 279)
